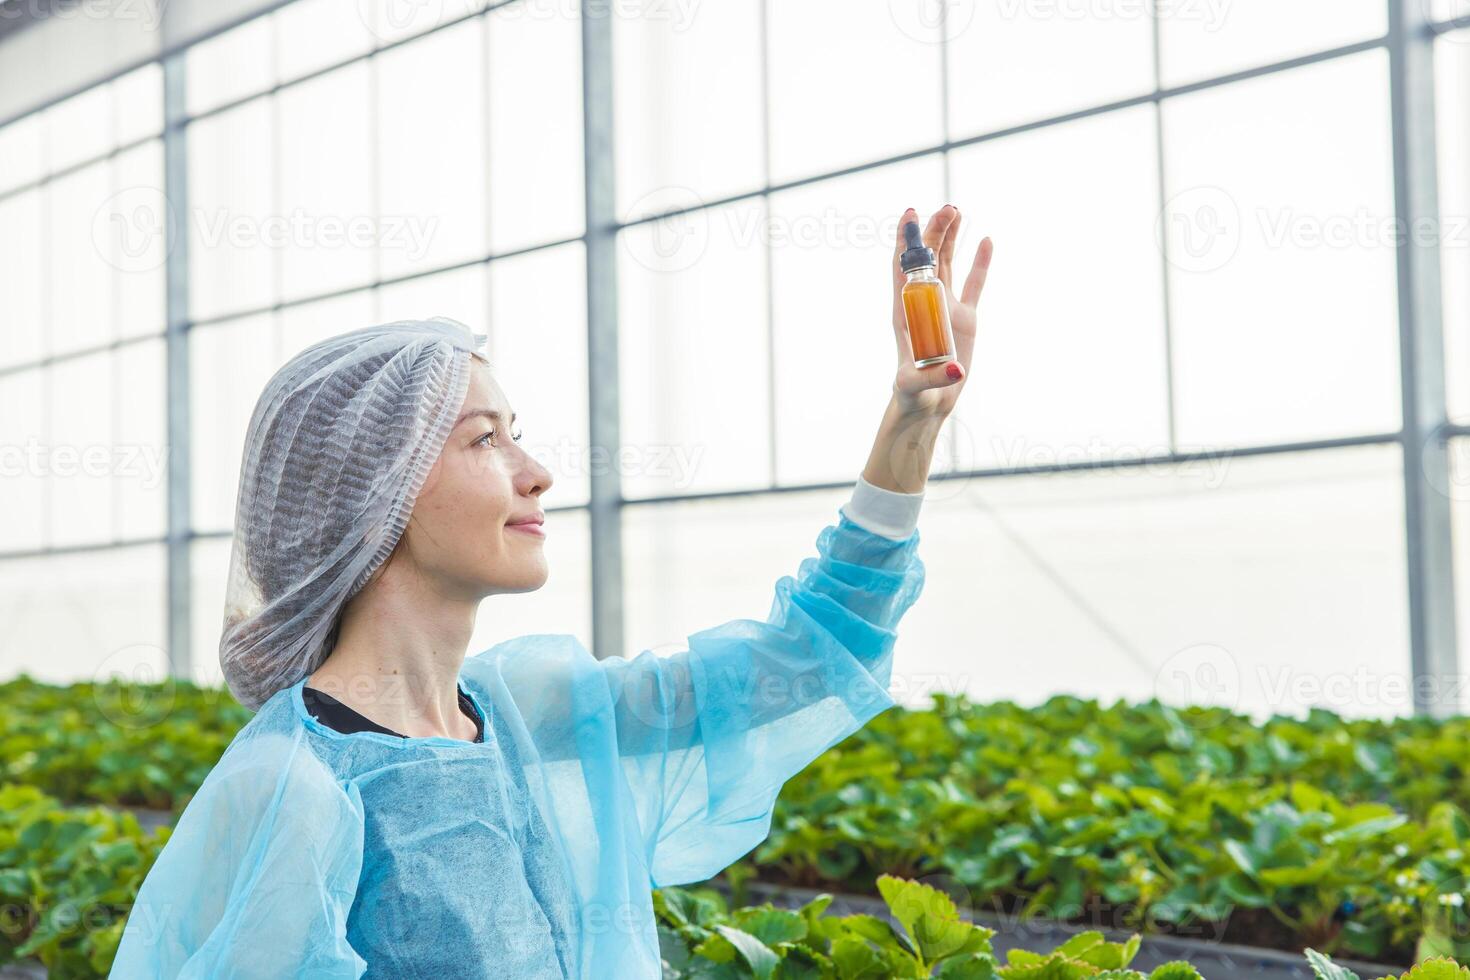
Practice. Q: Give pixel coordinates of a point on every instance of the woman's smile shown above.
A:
(529, 525)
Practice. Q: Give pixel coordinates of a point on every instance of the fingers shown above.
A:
(975, 283)
(946, 250)
(900, 330)
(915, 379)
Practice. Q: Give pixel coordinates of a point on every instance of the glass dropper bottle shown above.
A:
(925, 303)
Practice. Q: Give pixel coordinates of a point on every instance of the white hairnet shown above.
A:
(338, 447)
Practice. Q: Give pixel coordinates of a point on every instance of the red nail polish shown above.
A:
(953, 371)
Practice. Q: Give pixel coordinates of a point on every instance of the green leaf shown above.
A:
(761, 959)
(971, 966)
(928, 915)
(1241, 855)
(854, 959)
(1326, 969)
(1175, 970)
(771, 925)
(1439, 968)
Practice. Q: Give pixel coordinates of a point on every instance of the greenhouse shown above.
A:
(822, 489)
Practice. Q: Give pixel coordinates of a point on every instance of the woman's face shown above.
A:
(463, 532)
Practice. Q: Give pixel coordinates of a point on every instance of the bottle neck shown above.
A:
(924, 273)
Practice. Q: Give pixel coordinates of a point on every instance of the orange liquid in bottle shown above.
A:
(927, 315)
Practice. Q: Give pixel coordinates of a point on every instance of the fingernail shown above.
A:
(954, 371)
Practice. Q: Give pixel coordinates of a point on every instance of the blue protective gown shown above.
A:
(318, 854)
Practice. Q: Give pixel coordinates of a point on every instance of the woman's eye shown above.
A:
(483, 439)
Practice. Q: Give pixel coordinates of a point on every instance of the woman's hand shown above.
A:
(933, 390)
(924, 397)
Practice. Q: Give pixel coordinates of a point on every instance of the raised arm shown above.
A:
(709, 735)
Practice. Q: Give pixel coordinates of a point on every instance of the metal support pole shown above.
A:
(605, 504)
(175, 224)
(176, 352)
(1433, 654)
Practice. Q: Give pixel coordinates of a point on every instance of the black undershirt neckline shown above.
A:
(338, 716)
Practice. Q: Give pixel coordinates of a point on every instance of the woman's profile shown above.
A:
(400, 807)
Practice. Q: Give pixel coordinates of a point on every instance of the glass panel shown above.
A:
(693, 565)
(79, 276)
(536, 192)
(1217, 37)
(1452, 102)
(538, 331)
(832, 302)
(1266, 584)
(1020, 60)
(22, 277)
(1280, 223)
(231, 66)
(81, 617)
(80, 402)
(24, 461)
(209, 572)
(688, 106)
(81, 128)
(133, 227)
(830, 105)
(138, 101)
(229, 365)
(231, 196)
(20, 152)
(313, 34)
(394, 20)
(431, 144)
(1070, 356)
(326, 183)
(562, 605)
(304, 325)
(139, 470)
(460, 294)
(692, 296)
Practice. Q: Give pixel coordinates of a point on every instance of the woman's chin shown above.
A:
(526, 576)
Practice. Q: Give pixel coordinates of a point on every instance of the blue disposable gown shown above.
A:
(312, 853)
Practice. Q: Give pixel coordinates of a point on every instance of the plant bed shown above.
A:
(1339, 835)
(1214, 960)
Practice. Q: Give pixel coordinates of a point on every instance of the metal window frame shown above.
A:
(1423, 438)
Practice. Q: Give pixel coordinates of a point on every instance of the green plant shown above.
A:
(1434, 968)
(142, 745)
(702, 940)
(68, 876)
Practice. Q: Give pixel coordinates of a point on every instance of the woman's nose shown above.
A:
(536, 477)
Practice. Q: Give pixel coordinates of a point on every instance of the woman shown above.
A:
(397, 809)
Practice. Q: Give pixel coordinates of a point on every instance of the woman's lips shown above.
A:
(528, 527)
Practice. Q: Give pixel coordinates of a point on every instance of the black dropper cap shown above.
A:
(917, 255)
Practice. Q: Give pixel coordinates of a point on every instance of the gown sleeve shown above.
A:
(257, 877)
(708, 735)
